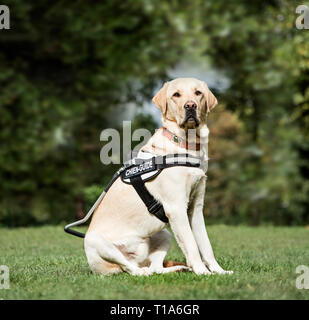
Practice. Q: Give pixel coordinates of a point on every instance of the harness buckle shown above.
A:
(154, 207)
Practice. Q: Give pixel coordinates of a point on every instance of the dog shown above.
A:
(123, 236)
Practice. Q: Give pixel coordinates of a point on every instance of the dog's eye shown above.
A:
(176, 94)
(198, 93)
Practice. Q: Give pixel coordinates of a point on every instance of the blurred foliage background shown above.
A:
(68, 70)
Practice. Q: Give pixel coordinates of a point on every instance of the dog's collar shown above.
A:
(182, 143)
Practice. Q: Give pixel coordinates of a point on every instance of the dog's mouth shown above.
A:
(190, 120)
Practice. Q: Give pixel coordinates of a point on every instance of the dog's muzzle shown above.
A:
(190, 114)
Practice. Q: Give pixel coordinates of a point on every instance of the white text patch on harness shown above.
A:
(143, 167)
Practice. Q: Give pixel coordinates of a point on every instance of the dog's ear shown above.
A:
(211, 100)
(160, 98)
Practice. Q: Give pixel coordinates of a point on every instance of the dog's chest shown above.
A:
(194, 178)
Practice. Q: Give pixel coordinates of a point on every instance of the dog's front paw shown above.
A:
(223, 272)
(200, 269)
(219, 270)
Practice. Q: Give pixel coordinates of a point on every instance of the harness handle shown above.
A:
(87, 216)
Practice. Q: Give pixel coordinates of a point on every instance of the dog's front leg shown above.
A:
(199, 230)
(179, 222)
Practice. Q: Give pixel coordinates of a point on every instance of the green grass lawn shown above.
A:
(46, 263)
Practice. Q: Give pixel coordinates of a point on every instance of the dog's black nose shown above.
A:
(190, 105)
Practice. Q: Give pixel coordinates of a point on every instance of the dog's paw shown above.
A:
(171, 269)
(219, 270)
(182, 268)
(141, 272)
(200, 270)
(178, 269)
(223, 272)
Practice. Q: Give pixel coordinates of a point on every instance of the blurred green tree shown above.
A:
(258, 46)
(67, 70)
(64, 71)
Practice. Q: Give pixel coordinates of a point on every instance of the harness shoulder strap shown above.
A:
(153, 206)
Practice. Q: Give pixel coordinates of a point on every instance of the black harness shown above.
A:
(139, 170)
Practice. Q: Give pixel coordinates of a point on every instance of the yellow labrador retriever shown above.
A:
(122, 235)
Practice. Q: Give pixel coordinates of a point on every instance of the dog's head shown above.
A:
(185, 101)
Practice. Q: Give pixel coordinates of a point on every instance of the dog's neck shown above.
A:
(183, 143)
(200, 136)
(161, 145)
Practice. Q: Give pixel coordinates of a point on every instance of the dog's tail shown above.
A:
(170, 263)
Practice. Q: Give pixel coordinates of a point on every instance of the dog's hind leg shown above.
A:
(105, 258)
(158, 248)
